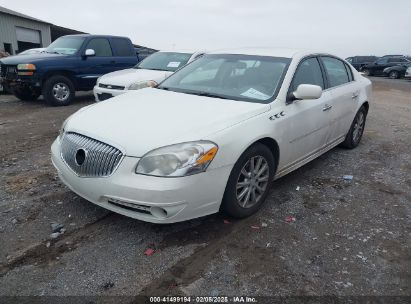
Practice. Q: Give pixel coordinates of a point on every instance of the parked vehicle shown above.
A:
(408, 73)
(213, 135)
(377, 68)
(71, 63)
(32, 51)
(396, 71)
(143, 52)
(358, 62)
(148, 73)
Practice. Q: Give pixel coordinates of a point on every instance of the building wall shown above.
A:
(8, 25)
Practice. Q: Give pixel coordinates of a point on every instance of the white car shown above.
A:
(147, 73)
(213, 135)
(32, 51)
(408, 73)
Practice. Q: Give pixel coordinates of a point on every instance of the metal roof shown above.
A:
(17, 14)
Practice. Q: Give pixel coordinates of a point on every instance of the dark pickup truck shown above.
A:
(71, 63)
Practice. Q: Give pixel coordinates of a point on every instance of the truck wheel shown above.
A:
(366, 72)
(26, 94)
(58, 91)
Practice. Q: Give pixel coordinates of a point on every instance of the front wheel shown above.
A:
(58, 91)
(354, 135)
(249, 182)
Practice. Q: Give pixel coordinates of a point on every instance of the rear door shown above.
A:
(98, 65)
(344, 96)
(124, 54)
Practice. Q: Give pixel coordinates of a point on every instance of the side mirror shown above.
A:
(306, 91)
(89, 52)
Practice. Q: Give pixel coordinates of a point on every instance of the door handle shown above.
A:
(355, 95)
(327, 107)
(112, 61)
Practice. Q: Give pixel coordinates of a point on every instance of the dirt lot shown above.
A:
(348, 237)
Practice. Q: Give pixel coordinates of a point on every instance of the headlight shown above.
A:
(142, 85)
(26, 67)
(178, 160)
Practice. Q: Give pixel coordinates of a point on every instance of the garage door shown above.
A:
(28, 35)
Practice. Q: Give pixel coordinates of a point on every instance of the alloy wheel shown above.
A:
(358, 127)
(61, 91)
(252, 181)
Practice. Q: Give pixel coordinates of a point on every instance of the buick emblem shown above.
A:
(109, 87)
(80, 157)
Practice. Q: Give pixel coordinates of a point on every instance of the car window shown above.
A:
(101, 46)
(164, 61)
(336, 71)
(382, 61)
(349, 71)
(308, 72)
(122, 47)
(233, 76)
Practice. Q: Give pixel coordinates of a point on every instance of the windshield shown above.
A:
(66, 45)
(238, 77)
(164, 61)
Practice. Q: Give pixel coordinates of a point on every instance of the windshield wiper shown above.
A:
(206, 94)
(52, 52)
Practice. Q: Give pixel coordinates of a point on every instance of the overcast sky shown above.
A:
(349, 27)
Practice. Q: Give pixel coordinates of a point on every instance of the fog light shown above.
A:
(158, 212)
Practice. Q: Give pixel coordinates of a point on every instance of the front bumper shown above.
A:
(19, 82)
(148, 198)
(101, 94)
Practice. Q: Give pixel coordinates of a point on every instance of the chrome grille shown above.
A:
(100, 159)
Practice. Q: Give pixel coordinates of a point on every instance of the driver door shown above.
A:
(306, 124)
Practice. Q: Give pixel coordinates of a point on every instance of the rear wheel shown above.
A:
(249, 182)
(394, 75)
(354, 135)
(58, 91)
(26, 94)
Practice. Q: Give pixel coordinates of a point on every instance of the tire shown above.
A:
(354, 135)
(26, 94)
(235, 202)
(366, 72)
(58, 91)
(394, 75)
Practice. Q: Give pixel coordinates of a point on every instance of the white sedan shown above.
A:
(147, 73)
(213, 135)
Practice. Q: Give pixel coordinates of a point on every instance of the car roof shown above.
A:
(94, 36)
(186, 51)
(267, 51)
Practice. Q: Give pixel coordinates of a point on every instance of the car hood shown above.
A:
(33, 58)
(129, 76)
(140, 121)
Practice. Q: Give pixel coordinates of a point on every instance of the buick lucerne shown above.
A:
(213, 135)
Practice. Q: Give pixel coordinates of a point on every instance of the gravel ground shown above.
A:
(330, 237)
